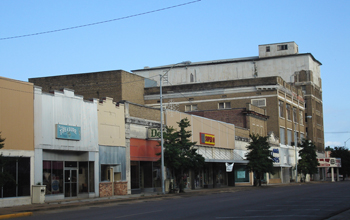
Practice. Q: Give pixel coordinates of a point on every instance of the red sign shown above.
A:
(207, 138)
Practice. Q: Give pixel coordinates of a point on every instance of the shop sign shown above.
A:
(329, 162)
(207, 138)
(68, 132)
(153, 133)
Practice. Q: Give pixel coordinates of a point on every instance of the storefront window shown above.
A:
(83, 177)
(18, 184)
(91, 176)
(241, 174)
(53, 177)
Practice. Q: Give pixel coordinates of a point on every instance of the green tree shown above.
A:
(344, 154)
(179, 153)
(308, 162)
(260, 157)
(5, 177)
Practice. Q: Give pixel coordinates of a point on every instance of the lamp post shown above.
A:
(161, 118)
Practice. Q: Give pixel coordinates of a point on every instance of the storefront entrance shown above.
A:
(70, 182)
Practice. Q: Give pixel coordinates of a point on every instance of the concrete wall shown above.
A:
(16, 114)
(17, 127)
(224, 132)
(111, 123)
(283, 66)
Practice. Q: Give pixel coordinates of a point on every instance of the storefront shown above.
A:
(66, 144)
(144, 165)
(215, 142)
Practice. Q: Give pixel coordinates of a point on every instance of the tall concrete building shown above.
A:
(294, 79)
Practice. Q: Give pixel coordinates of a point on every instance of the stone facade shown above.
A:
(106, 189)
(120, 188)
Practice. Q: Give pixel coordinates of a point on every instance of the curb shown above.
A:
(22, 214)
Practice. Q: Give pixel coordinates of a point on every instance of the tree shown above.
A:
(308, 162)
(260, 157)
(344, 154)
(179, 153)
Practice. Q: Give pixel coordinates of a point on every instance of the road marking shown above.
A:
(124, 216)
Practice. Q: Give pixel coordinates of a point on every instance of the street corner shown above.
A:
(16, 215)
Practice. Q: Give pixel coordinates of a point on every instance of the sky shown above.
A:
(196, 31)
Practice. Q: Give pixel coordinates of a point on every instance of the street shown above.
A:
(299, 201)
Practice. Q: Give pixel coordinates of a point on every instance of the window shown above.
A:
(282, 47)
(295, 118)
(259, 102)
(301, 137)
(281, 108)
(282, 136)
(289, 136)
(301, 118)
(19, 169)
(295, 137)
(189, 108)
(289, 115)
(224, 105)
(191, 78)
(268, 49)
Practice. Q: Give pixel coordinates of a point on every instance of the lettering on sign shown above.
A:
(153, 133)
(208, 139)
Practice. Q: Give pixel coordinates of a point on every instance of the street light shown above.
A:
(161, 118)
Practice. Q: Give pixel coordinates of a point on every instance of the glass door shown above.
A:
(70, 183)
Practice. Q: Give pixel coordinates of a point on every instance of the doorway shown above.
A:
(70, 182)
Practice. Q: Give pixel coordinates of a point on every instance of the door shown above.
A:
(70, 183)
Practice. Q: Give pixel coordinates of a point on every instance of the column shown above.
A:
(332, 173)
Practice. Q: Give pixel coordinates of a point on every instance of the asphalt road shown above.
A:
(309, 201)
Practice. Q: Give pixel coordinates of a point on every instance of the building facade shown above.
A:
(66, 144)
(16, 127)
(275, 60)
(112, 149)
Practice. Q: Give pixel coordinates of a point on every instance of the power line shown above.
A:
(100, 22)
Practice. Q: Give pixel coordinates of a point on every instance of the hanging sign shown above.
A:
(207, 138)
(229, 167)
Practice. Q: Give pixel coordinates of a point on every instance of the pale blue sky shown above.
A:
(201, 31)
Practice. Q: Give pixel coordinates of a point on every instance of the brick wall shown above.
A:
(232, 116)
(121, 188)
(117, 84)
(105, 189)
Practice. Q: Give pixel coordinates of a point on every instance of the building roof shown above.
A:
(233, 60)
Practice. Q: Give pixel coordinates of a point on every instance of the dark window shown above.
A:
(17, 181)
(268, 49)
(282, 47)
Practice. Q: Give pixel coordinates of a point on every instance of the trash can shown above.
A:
(38, 194)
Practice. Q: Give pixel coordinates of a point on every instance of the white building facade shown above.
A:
(66, 144)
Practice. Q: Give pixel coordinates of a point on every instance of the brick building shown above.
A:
(117, 84)
(281, 102)
(281, 60)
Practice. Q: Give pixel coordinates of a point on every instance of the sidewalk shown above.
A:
(27, 210)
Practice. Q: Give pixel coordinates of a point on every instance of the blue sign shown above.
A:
(68, 132)
(275, 150)
(276, 159)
